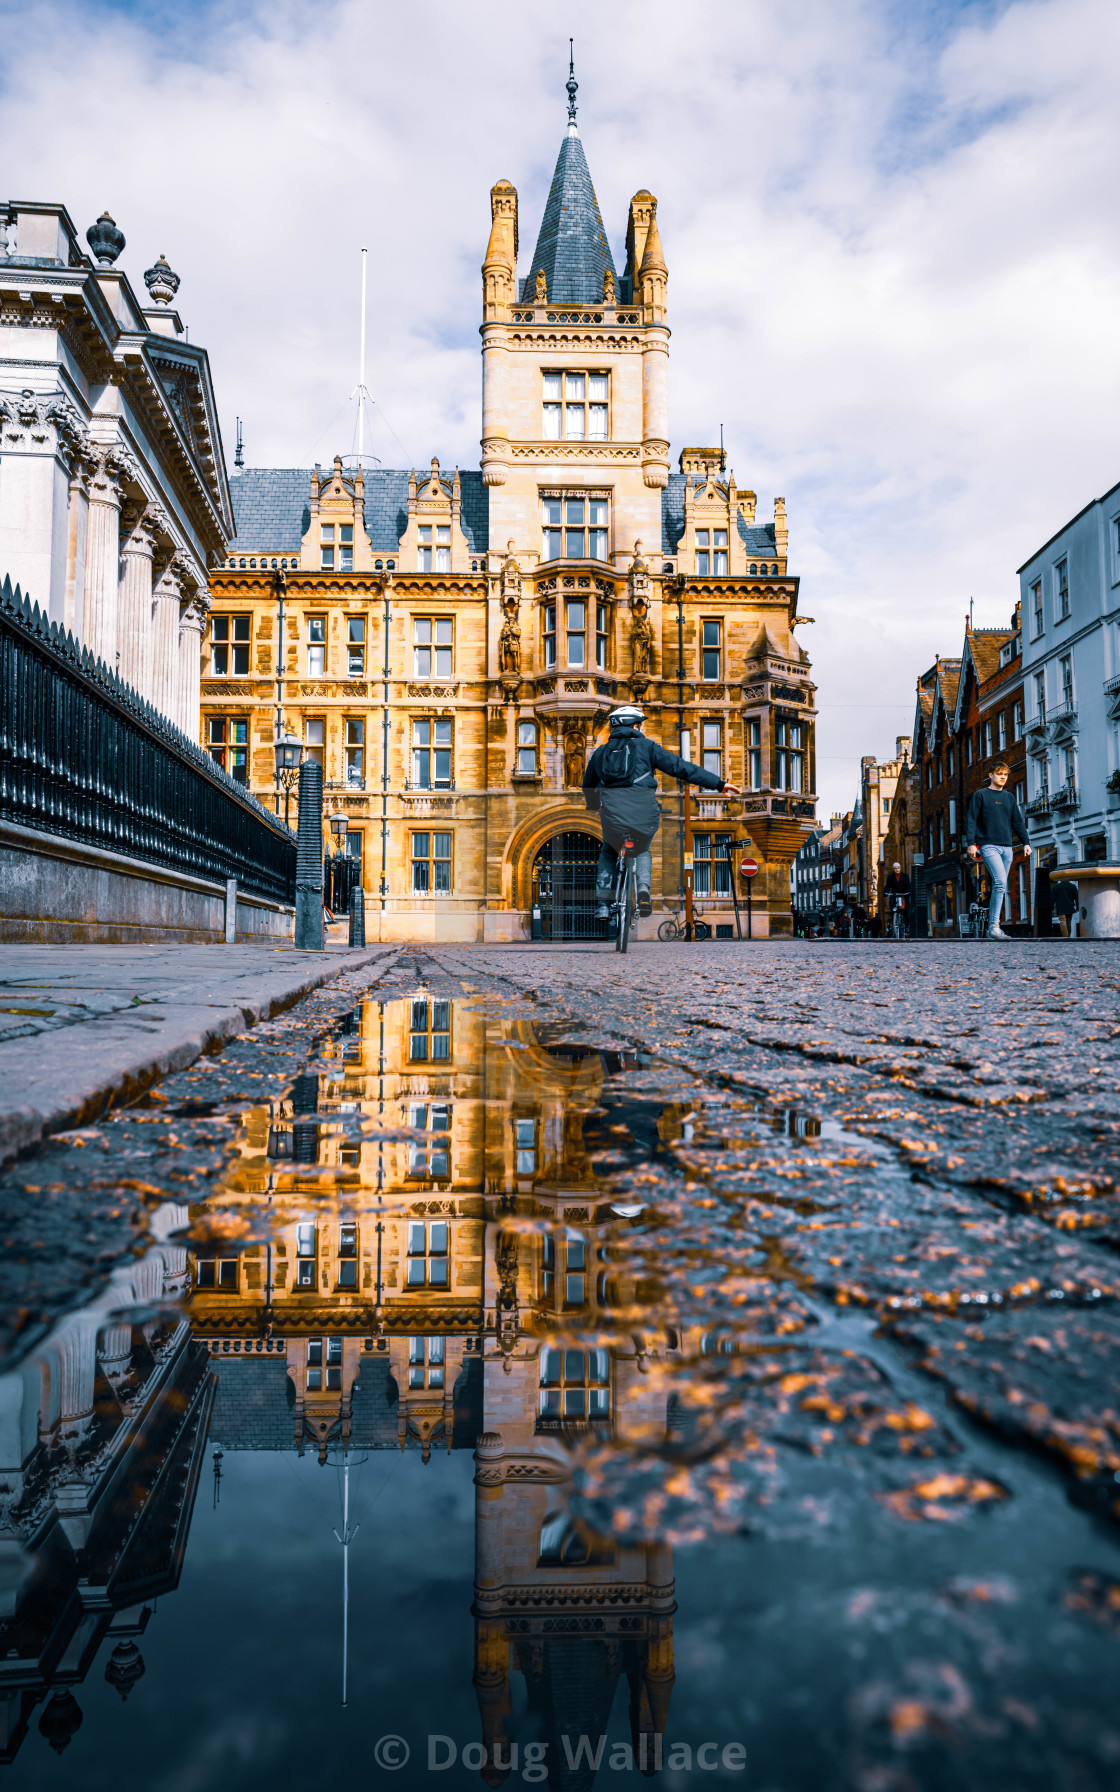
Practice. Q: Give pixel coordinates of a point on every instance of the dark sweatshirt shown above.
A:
(994, 819)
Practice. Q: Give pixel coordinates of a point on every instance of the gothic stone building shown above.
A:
(453, 643)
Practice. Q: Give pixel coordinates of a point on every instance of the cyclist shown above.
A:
(619, 783)
(897, 892)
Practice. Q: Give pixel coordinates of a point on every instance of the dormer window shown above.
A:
(441, 547)
(575, 407)
(711, 553)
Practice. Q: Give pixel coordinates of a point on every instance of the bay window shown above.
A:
(754, 754)
(789, 741)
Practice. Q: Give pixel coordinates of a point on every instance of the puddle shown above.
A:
(493, 1400)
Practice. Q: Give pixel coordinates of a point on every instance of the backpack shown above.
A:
(614, 768)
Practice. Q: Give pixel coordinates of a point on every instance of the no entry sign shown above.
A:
(748, 868)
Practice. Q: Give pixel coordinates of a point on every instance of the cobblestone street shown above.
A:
(816, 1243)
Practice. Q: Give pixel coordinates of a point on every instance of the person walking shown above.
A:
(993, 824)
(1065, 906)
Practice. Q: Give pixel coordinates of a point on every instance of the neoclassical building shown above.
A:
(114, 501)
(453, 641)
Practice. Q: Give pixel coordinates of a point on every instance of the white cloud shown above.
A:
(891, 236)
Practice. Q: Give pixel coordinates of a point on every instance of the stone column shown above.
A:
(103, 557)
(166, 600)
(191, 619)
(134, 614)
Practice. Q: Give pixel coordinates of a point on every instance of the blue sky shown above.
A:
(891, 233)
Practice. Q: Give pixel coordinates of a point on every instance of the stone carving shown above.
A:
(608, 287)
(105, 240)
(540, 291)
(638, 578)
(509, 646)
(575, 754)
(641, 642)
(511, 578)
(161, 281)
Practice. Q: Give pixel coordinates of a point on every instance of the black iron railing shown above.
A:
(81, 755)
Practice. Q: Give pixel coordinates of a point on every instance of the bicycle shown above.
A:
(673, 928)
(898, 918)
(624, 898)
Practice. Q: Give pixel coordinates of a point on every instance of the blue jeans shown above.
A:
(998, 860)
(604, 870)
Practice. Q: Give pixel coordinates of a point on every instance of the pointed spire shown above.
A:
(572, 250)
(573, 88)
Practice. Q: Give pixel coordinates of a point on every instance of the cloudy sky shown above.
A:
(891, 229)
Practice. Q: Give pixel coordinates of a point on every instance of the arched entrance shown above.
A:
(563, 888)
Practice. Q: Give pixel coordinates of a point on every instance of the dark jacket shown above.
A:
(994, 819)
(897, 886)
(632, 810)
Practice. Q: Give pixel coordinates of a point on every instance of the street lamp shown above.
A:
(288, 749)
(340, 827)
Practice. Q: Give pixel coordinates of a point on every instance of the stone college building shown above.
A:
(453, 642)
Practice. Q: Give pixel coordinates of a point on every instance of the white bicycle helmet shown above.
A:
(627, 717)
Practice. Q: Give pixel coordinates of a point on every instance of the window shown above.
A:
(952, 758)
(601, 636)
(356, 646)
(525, 1139)
(571, 1261)
(711, 753)
(315, 739)
(229, 745)
(968, 748)
(1069, 766)
(576, 406)
(431, 755)
(316, 646)
(1061, 593)
(1017, 722)
(710, 874)
(433, 643)
(431, 864)
(345, 533)
(527, 749)
(710, 656)
(790, 755)
(754, 755)
(550, 635)
(442, 548)
(324, 1352)
(929, 774)
(430, 1158)
(1037, 619)
(355, 751)
(217, 1272)
(987, 740)
(229, 645)
(1040, 695)
(1001, 730)
(429, 1031)
(427, 1254)
(576, 612)
(575, 1384)
(425, 1362)
(953, 816)
(575, 526)
(711, 552)
(1065, 667)
(348, 1255)
(305, 1254)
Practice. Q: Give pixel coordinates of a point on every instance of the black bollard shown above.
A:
(309, 859)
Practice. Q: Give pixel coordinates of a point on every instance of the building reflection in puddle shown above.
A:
(434, 1271)
(414, 1251)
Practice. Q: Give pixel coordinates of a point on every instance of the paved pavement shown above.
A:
(82, 1027)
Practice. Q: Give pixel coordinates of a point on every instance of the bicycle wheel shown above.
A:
(701, 930)
(627, 903)
(669, 930)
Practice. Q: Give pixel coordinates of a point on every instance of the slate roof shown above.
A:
(758, 537)
(271, 509)
(572, 248)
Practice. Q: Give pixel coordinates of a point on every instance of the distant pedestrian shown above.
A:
(993, 824)
(1065, 905)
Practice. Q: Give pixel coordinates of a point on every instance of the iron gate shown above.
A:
(564, 888)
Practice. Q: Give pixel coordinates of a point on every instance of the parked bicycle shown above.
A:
(673, 928)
